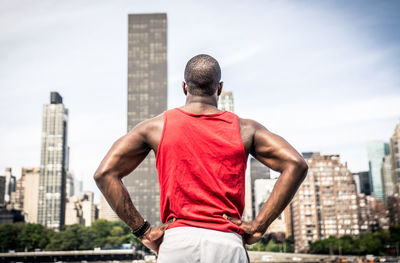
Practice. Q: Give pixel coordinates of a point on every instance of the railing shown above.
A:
(75, 255)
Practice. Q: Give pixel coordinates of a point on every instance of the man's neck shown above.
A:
(199, 104)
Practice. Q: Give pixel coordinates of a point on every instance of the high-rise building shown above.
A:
(147, 98)
(287, 213)
(262, 191)
(73, 211)
(373, 214)
(80, 209)
(389, 187)
(89, 213)
(326, 203)
(17, 197)
(69, 185)
(379, 214)
(9, 184)
(257, 171)
(376, 151)
(10, 216)
(53, 163)
(364, 213)
(393, 205)
(31, 194)
(2, 191)
(395, 156)
(225, 101)
(362, 181)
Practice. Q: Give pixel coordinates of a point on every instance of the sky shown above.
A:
(322, 74)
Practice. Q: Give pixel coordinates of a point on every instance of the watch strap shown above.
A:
(141, 230)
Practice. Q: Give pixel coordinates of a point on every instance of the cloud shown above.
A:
(239, 56)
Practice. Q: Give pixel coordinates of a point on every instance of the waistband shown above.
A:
(201, 233)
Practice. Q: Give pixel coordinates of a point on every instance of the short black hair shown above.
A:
(202, 74)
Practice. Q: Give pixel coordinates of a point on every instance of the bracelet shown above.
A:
(141, 230)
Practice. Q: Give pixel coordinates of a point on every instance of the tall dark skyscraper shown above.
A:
(53, 163)
(362, 182)
(147, 97)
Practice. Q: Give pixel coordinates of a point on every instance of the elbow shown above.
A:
(299, 167)
(302, 167)
(99, 176)
(105, 175)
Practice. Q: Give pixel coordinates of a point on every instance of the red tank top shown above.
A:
(201, 165)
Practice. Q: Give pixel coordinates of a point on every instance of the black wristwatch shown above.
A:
(141, 230)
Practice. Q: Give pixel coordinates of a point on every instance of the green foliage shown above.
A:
(73, 237)
(117, 237)
(259, 246)
(395, 233)
(289, 244)
(273, 247)
(34, 236)
(369, 243)
(101, 230)
(102, 233)
(376, 243)
(108, 234)
(9, 234)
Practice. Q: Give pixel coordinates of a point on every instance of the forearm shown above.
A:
(283, 192)
(118, 198)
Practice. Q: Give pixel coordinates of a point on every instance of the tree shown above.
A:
(395, 233)
(346, 246)
(319, 247)
(9, 237)
(101, 229)
(259, 246)
(289, 244)
(34, 236)
(117, 237)
(369, 244)
(73, 237)
(273, 247)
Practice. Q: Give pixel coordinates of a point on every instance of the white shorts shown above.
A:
(201, 245)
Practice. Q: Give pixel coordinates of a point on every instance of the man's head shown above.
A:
(203, 75)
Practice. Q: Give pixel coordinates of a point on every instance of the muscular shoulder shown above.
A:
(248, 129)
(149, 125)
(150, 130)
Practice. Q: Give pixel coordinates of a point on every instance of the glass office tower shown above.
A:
(376, 151)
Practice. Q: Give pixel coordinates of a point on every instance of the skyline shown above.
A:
(325, 81)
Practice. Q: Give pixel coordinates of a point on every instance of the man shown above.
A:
(201, 155)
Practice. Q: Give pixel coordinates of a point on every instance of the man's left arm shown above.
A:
(123, 157)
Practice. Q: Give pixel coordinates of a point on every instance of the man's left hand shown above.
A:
(251, 233)
(155, 235)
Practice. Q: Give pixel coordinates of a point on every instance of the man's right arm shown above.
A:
(123, 157)
(274, 152)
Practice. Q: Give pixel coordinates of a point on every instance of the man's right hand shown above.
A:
(154, 236)
(251, 234)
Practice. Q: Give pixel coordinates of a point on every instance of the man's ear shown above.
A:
(184, 87)
(220, 85)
